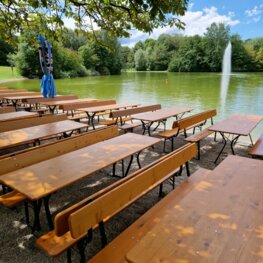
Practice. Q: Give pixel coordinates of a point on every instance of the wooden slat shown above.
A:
(199, 136)
(194, 119)
(103, 207)
(25, 123)
(128, 112)
(74, 106)
(7, 109)
(51, 150)
(4, 117)
(257, 149)
(57, 98)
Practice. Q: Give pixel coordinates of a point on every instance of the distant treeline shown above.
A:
(78, 54)
(179, 53)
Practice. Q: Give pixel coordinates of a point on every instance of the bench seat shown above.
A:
(114, 122)
(12, 199)
(196, 138)
(129, 126)
(257, 149)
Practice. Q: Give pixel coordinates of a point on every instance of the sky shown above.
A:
(245, 17)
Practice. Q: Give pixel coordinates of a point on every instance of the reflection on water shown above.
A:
(199, 91)
(225, 79)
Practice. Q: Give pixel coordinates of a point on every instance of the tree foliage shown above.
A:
(115, 16)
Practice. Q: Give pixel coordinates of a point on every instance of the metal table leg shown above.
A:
(36, 206)
(48, 214)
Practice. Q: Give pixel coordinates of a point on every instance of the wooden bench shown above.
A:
(182, 125)
(48, 151)
(57, 98)
(117, 249)
(7, 109)
(75, 223)
(34, 121)
(121, 116)
(71, 107)
(257, 149)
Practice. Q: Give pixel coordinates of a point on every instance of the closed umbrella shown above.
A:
(47, 85)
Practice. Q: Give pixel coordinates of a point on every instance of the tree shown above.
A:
(11, 59)
(5, 48)
(215, 41)
(115, 16)
(73, 39)
(140, 60)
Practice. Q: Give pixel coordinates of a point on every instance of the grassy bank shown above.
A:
(6, 73)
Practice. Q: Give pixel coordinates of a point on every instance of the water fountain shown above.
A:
(226, 73)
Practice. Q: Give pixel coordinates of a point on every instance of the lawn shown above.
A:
(6, 73)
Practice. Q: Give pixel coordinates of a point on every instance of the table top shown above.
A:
(108, 107)
(239, 124)
(15, 94)
(17, 115)
(11, 91)
(62, 102)
(46, 177)
(23, 96)
(160, 114)
(220, 220)
(21, 136)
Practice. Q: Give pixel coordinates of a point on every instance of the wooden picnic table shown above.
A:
(92, 111)
(218, 220)
(12, 90)
(52, 105)
(42, 179)
(236, 125)
(160, 116)
(14, 98)
(17, 115)
(36, 133)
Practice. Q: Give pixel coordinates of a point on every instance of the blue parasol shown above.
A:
(47, 85)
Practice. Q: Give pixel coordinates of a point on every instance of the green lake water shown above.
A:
(241, 93)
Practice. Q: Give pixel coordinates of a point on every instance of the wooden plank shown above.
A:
(7, 109)
(36, 120)
(39, 180)
(118, 248)
(51, 150)
(26, 135)
(240, 124)
(57, 98)
(257, 149)
(16, 115)
(160, 114)
(194, 119)
(128, 112)
(100, 209)
(74, 106)
(227, 228)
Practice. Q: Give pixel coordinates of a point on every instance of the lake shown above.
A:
(237, 93)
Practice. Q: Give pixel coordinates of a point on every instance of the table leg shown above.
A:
(91, 120)
(223, 136)
(129, 166)
(234, 142)
(52, 109)
(251, 140)
(36, 206)
(48, 214)
(138, 160)
(147, 126)
(14, 102)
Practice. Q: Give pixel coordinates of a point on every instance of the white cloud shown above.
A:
(254, 13)
(196, 23)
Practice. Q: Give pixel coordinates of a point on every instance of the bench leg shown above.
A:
(36, 207)
(172, 143)
(164, 142)
(69, 255)
(161, 190)
(26, 212)
(103, 236)
(81, 249)
(198, 146)
(187, 169)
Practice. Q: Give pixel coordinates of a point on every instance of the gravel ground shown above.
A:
(17, 243)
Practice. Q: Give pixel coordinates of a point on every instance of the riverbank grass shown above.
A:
(6, 73)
